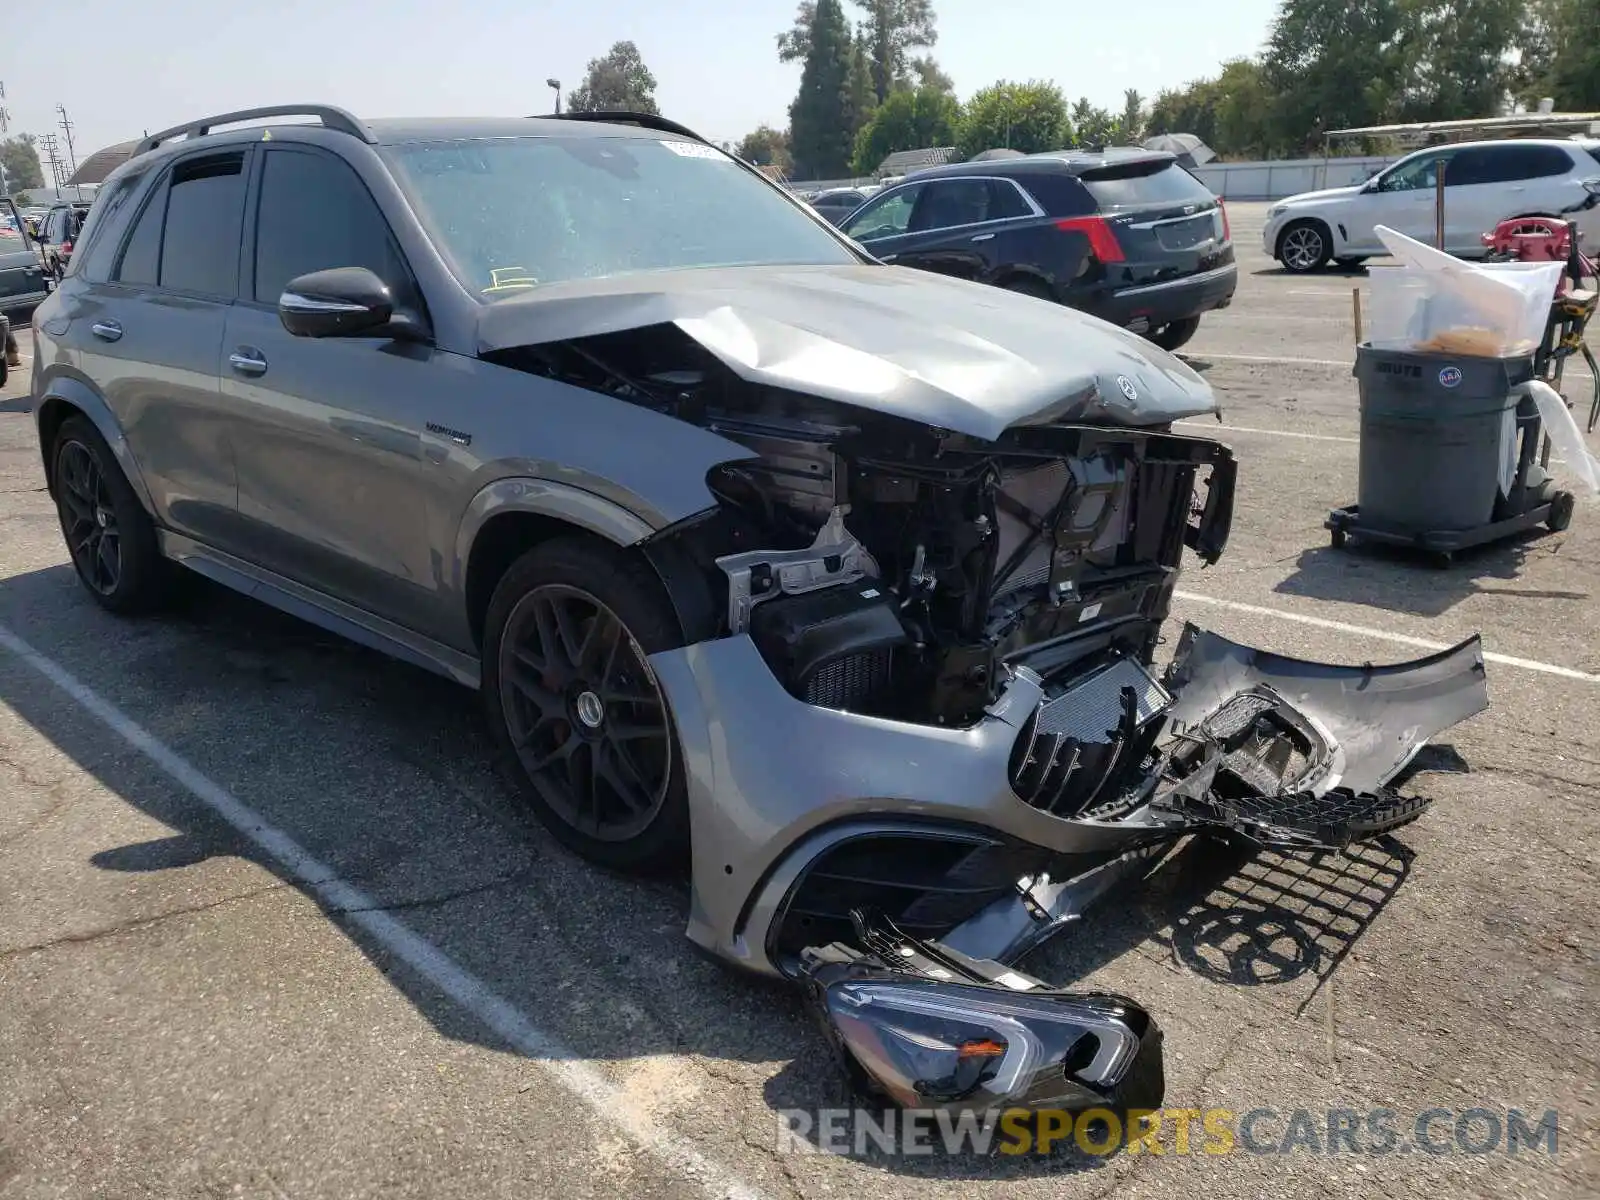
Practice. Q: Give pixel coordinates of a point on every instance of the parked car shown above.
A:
(1484, 183)
(58, 234)
(1127, 235)
(839, 582)
(838, 203)
(22, 282)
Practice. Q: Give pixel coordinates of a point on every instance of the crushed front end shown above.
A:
(919, 676)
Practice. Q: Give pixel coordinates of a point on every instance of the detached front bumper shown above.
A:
(801, 815)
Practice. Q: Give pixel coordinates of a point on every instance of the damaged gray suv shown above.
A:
(838, 582)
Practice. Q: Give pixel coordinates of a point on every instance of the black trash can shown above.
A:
(1432, 428)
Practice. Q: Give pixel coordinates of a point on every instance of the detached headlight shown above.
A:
(929, 1044)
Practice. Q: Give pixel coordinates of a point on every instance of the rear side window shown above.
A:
(1058, 193)
(141, 257)
(315, 214)
(97, 243)
(1143, 184)
(205, 215)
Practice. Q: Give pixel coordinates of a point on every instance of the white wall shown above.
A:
(1287, 177)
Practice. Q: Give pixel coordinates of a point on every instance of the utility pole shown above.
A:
(72, 157)
(5, 115)
(47, 142)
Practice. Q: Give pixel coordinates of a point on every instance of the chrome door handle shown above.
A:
(982, 237)
(247, 361)
(106, 331)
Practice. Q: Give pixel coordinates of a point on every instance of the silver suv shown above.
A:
(840, 581)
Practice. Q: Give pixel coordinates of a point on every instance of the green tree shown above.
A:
(822, 119)
(1559, 44)
(1189, 109)
(1242, 109)
(1332, 64)
(891, 30)
(1030, 117)
(1092, 125)
(1457, 57)
(20, 157)
(620, 80)
(765, 146)
(1130, 126)
(863, 97)
(925, 73)
(907, 120)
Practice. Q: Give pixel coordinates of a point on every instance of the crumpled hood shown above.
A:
(1338, 193)
(957, 355)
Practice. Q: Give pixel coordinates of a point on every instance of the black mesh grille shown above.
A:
(849, 679)
(927, 883)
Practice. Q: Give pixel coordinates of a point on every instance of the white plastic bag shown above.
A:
(1565, 435)
(1436, 302)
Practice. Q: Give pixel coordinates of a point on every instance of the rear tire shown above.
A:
(108, 533)
(585, 737)
(1304, 247)
(1027, 285)
(1174, 333)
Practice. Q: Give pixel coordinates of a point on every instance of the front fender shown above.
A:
(546, 498)
(73, 392)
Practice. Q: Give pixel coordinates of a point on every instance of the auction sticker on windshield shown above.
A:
(695, 150)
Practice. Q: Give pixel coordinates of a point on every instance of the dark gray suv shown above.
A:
(841, 581)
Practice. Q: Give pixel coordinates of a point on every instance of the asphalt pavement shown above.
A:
(269, 926)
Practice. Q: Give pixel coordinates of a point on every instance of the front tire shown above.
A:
(1175, 333)
(585, 736)
(109, 535)
(1304, 247)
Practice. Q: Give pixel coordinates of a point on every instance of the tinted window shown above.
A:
(1058, 193)
(1539, 162)
(1005, 202)
(97, 246)
(1137, 184)
(948, 202)
(142, 253)
(316, 213)
(886, 216)
(512, 213)
(1410, 174)
(205, 213)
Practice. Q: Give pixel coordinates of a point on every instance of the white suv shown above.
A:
(1484, 183)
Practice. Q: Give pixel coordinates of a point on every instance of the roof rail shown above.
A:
(331, 118)
(623, 117)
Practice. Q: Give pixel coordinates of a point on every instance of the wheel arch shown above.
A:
(509, 517)
(66, 397)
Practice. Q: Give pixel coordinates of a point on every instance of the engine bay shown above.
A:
(886, 567)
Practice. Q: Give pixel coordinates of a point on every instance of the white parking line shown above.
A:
(1213, 427)
(582, 1080)
(1506, 660)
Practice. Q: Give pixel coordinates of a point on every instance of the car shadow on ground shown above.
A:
(1395, 579)
(382, 773)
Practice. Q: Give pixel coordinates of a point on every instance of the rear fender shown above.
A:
(72, 393)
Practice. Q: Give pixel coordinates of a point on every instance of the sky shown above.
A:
(124, 67)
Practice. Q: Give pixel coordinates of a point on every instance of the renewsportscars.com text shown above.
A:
(1169, 1131)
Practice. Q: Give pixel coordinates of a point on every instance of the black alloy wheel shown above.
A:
(89, 517)
(584, 715)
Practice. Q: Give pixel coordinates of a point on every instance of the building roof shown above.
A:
(903, 162)
(101, 163)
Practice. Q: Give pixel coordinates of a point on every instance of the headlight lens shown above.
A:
(931, 1044)
(1277, 210)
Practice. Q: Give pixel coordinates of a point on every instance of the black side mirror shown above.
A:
(340, 302)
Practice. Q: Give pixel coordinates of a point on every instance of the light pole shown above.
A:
(555, 84)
